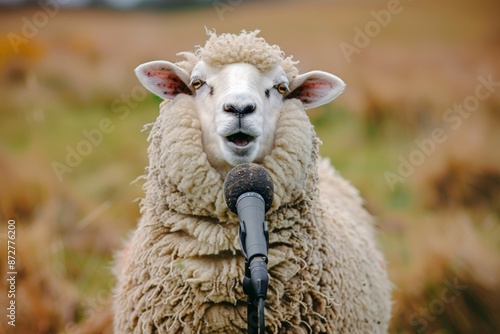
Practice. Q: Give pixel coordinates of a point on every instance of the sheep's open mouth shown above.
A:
(240, 139)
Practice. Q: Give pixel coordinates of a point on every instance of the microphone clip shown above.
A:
(256, 278)
(243, 238)
(255, 282)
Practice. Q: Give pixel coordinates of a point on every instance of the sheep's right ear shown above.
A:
(164, 79)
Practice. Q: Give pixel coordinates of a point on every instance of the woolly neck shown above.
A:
(181, 179)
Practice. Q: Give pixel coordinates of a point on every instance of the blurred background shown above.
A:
(417, 131)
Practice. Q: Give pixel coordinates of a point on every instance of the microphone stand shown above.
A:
(249, 190)
(255, 283)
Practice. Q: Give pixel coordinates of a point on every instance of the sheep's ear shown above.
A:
(164, 79)
(315, 88)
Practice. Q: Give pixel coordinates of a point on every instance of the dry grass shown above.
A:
(438, 227)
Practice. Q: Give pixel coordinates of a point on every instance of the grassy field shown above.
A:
(417, 131)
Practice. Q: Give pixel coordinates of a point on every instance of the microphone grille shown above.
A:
(248, 177)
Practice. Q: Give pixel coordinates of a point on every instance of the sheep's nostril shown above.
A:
(241, 110)
(229, 108)
(248, 108)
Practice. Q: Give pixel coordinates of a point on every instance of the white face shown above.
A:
(238, 105)
(238, 108)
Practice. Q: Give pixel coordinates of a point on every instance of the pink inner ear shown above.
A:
(168, 81)
(315, 89)
(311, 90)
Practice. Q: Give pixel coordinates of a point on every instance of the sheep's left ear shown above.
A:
(164, 79)
(315, 88)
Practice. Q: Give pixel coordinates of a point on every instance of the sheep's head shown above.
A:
(239, 94)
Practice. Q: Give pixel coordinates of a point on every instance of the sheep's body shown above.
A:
(182, 269)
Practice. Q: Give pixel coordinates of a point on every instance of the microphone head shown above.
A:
(248, 177)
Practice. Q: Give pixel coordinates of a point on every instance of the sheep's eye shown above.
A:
(282, 88)
(197, 83)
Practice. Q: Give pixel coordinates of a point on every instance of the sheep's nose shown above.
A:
(240, 110)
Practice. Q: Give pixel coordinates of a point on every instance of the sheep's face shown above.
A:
(237, 104)
(239, 107)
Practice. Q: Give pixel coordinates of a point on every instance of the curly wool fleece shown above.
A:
(246, 47)
(182, 270)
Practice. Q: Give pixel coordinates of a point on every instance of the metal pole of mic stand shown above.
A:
(252, 310)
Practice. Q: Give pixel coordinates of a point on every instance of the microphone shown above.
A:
(249, 191)
(248, 177)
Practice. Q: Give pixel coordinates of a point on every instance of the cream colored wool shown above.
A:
(246, 47)
(181, 271)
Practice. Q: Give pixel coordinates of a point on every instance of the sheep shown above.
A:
(238, 99)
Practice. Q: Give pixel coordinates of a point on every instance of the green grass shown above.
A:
(363, 152)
